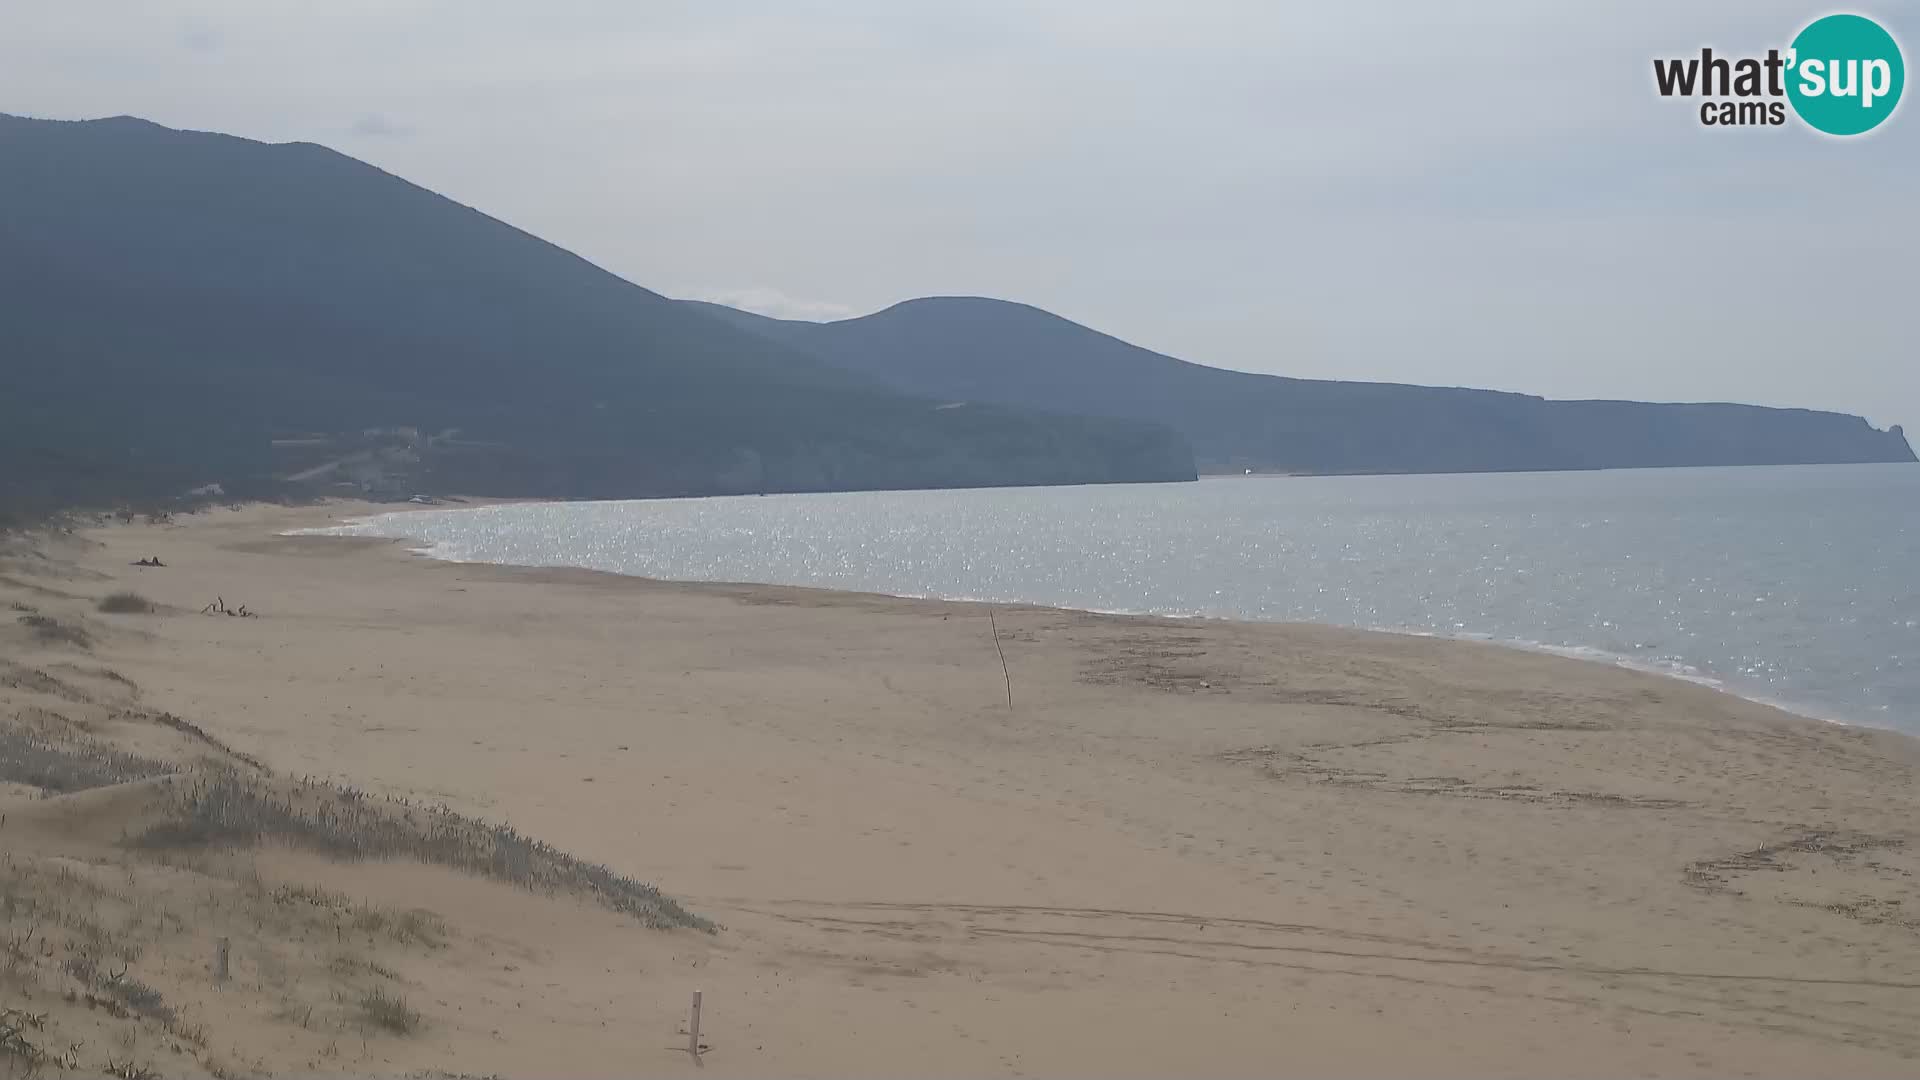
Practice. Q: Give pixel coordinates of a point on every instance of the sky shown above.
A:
(1478, 194)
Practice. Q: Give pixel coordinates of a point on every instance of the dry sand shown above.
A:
(1189, 848)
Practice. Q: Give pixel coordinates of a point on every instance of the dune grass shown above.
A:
(237, 811)
(51, 631)
(389, 1011)
(60, 768)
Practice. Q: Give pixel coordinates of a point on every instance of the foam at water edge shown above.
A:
(368, 526)
(445, 551)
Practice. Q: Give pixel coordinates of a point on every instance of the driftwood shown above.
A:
(219, 607)
(1008, 675)
(14, 1025)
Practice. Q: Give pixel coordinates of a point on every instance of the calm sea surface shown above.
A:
(1795, 585)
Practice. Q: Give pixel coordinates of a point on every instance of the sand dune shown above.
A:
(1188, 848)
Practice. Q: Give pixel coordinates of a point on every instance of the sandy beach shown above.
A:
(1185, 848)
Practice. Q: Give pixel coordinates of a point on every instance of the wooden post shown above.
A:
(1004, 673)
(221, 947)
(693, 1029)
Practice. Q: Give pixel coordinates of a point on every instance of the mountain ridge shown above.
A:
(979, 348)
(192, 307)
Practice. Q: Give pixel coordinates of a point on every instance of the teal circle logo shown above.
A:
(1845, 74)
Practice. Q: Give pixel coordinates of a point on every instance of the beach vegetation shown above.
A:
(69, 766)
(230, 810)
(51, 631)
(389, 1011)
(127, 602)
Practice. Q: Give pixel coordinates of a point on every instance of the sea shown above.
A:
(1794, 585)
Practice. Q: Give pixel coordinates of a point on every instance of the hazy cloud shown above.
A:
(773, 302)
(198, 36)
(374, 125)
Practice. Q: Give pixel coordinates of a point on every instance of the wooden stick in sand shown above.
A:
(1003, 658)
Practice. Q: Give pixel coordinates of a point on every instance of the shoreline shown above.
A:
(1581, 653)
(1188, 847)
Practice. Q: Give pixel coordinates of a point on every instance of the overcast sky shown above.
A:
(1484, 194)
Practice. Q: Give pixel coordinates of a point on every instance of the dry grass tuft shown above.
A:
(414, 926)
(311, 895)
(139, 998)
(127, 602)
(389, 1011)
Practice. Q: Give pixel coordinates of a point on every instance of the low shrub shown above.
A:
(127, 602)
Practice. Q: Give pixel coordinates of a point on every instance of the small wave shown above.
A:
(1669, 669)
(405, 525)
(349, 527)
